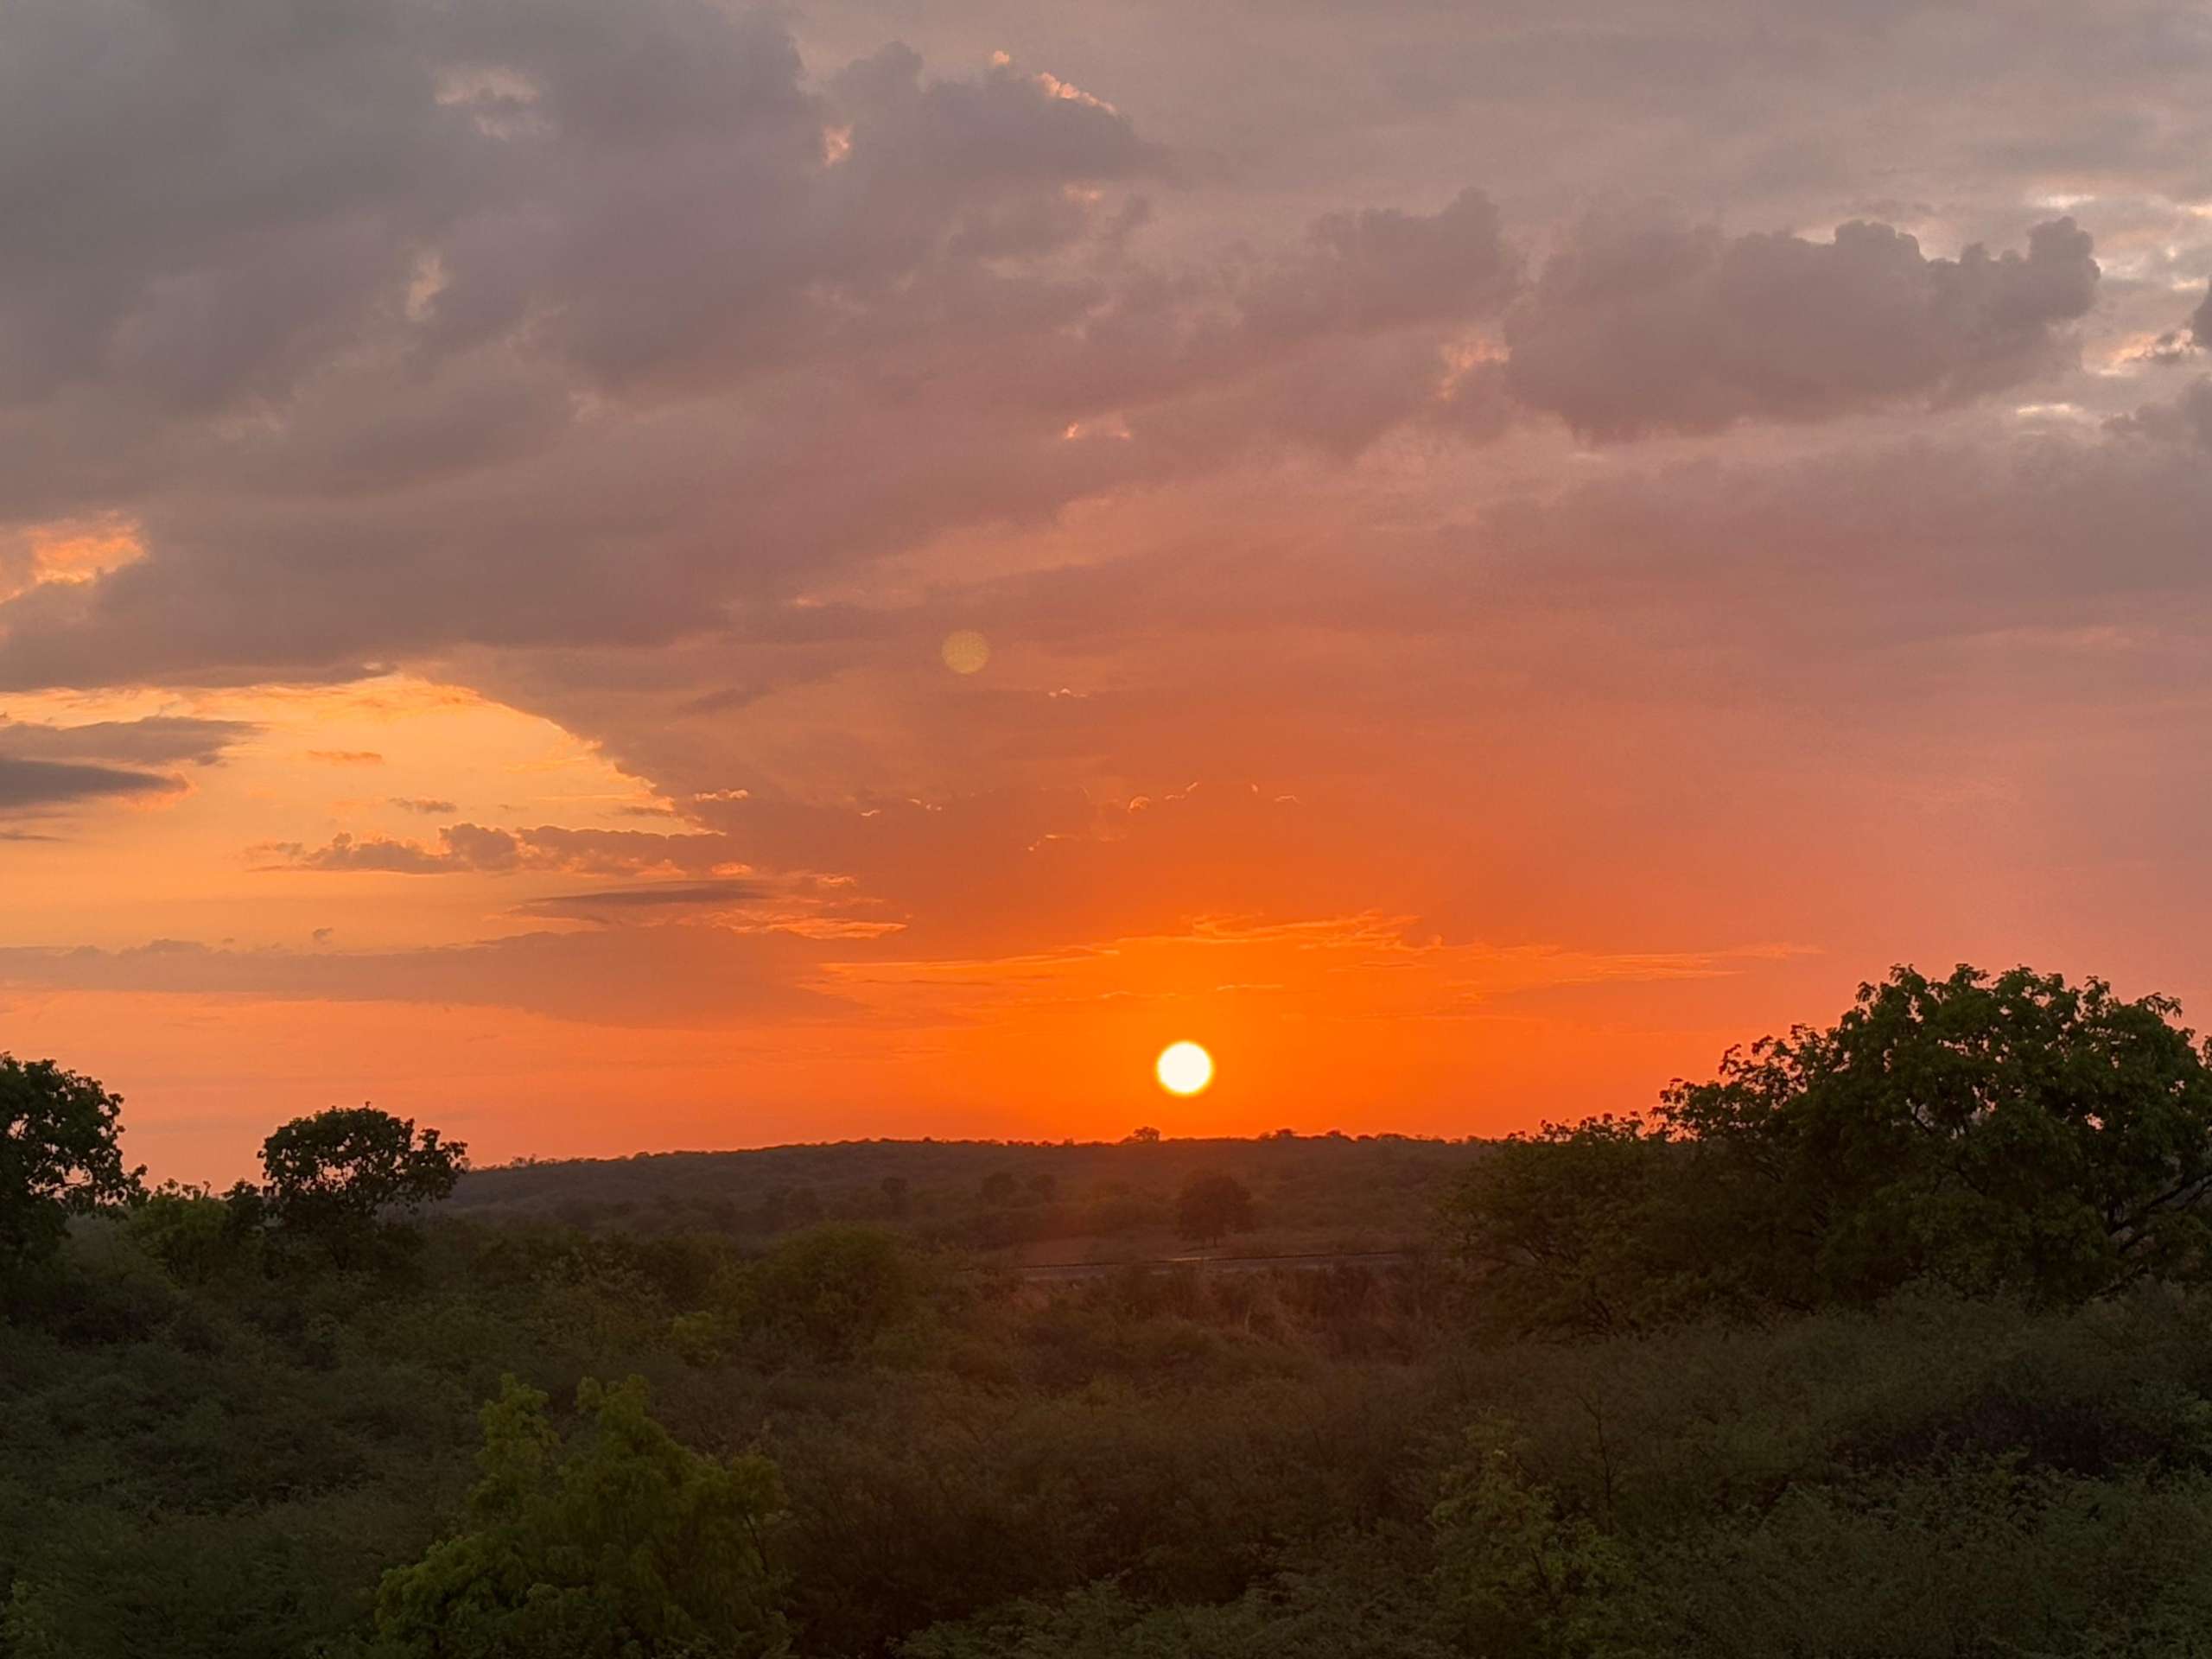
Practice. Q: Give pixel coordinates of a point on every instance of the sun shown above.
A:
(1183, 1068)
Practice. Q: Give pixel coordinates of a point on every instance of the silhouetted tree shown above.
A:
(338, 1178)
(58, 1156)
(2011, 1133)
(1044, 1186)
(898, 1197)
(1577, 1227)
(1145, 1135)
(1210, 1206)
(625, 1545)
(999, 1186)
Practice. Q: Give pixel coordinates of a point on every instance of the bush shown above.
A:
(623, 1546)
(826, 1293)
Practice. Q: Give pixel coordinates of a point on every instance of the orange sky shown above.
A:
(618, 578)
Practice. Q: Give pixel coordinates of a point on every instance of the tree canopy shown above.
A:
(334, 1175)
(1211, 1205)
(58, 1156)
(2011, 1133)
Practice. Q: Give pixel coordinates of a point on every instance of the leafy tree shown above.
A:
(898, 1196)
(1044, 1186)
(999, 1186)
(336, 1176)
(2013, 1133)
(622, 1545)
(1587, 1227)
(1144, 1135)
(58, 1156)
(1209, 1206)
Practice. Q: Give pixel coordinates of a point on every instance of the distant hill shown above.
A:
(1032, 1201)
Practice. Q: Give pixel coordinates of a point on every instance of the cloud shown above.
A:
(47, 768)
(1385, 268)
(1644, 322)
(381, 854)
(530, 329)
(35, 785)
(661, 896)
(2185, 418)
(429, 807)
(160, 740)
(470, 848)
(477, 240)
(676, 975)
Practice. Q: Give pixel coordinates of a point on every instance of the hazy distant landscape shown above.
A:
(1015, 1203)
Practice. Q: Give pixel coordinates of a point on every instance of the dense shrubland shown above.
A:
(1887, 1341)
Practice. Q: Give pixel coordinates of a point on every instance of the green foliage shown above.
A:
(2013, 1135)
(195, 1235)
(59, 1156)
(335, 1177)
(826, 1294)
(1334, 1612)
(626, 1546)
(28, 1630)
(1581, 1229)
(1966, 1556)
(1942, 1478)
(1523, 1577)
(1211, 1205)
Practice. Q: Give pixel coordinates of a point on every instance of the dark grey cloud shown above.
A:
(1382, 268)
(156, 740)
(2185, 418)
(465, 847)
(650, 897)
(1641, 322)
(37, 785)
(222, 197)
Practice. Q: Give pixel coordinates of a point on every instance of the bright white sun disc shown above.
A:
(1183, 1068)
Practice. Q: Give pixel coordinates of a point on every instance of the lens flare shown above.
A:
(966, 652)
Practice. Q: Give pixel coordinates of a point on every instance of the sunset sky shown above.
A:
(620, 576)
